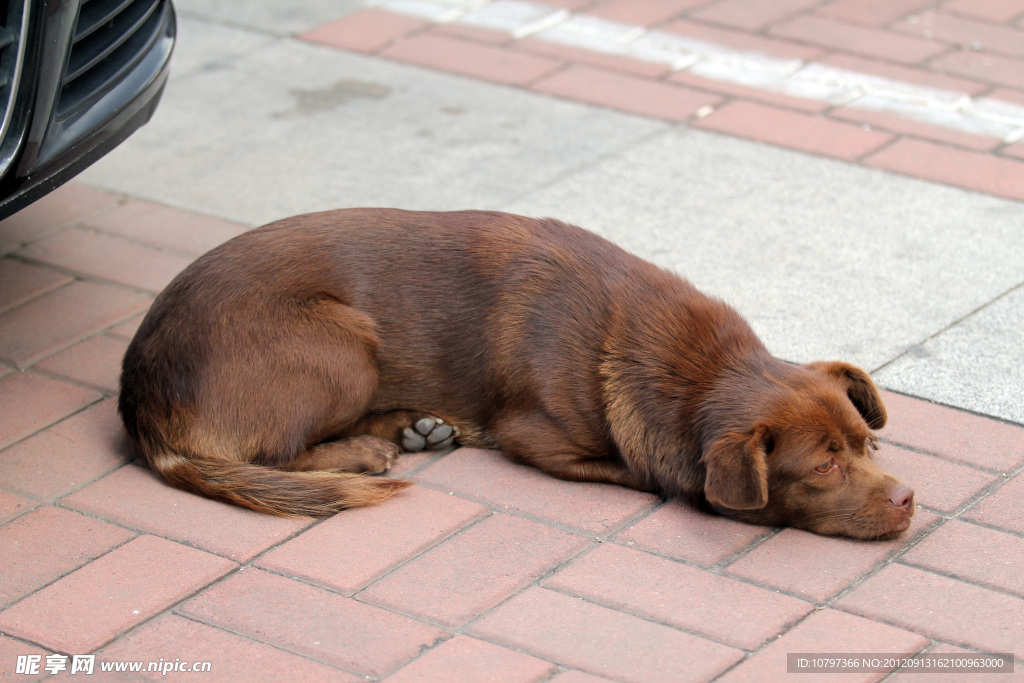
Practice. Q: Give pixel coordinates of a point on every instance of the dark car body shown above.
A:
(77, 77)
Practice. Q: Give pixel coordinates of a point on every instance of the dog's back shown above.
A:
(289, 334)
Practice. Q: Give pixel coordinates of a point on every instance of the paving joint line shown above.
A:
(934, 402)
(516, 512)
(251, 639)
(247, 636)
(624, 609)
(77, 277)
(55, 500)
(962, 579)
(70, 571)
(48, 425)
(950, 326)
(107, 393)
(942, 456)
(457, 531)
(597, 161)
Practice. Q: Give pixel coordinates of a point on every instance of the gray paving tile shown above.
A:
(298, 127)
(826, 259)
(207, 46)
(280, 17)
(978, 363)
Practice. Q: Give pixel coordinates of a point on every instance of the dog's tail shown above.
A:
(270, 490)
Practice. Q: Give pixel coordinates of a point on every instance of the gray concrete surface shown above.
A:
(264, 131)
(275, 17)
(911, 279)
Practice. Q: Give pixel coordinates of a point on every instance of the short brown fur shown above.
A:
(281, 366)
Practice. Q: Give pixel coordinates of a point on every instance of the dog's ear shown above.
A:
(859, 387)
(736, 468)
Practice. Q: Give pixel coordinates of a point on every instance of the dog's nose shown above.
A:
(902, 497)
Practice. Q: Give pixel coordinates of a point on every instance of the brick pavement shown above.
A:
(485, 569)
(488, 570)
(933, 90)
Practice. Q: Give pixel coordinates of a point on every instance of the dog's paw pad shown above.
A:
(440, 434)
(413, 441)
(426, 425)
(428, 433)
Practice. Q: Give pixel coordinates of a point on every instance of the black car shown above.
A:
(77, 77)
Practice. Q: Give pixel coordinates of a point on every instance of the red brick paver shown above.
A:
(67, 204)
(166, 228)
(68, 455)
(472, 59)
(973, 553)
(489, 477)
(993, 10)
(312, 622)
(62, 317)
(938, 484)
(475, 570)
(227, 530)
(964, 168)
(1004, 508)
(795, 129)
(348, 551)
(670, 592)
(366, 31)
(824, 632)
(107, 257)
(647, 13)
(576, 633)
(871, 12)
(101, 600)
(859, 40)
(47, 543)
(468, 660)
(751, 15)
(678, 531)
(21, 282)
(13, 505)
(231, 657)
(30, 402)
(95, 361)
(805, 564)
(940, 607)
(953, 433)
(11, 649)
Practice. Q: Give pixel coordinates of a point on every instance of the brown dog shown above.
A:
(281, 366)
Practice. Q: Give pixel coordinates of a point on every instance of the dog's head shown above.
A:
(807, 460)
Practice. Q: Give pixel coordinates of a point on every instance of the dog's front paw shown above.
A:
(370, 455)
(428, 433)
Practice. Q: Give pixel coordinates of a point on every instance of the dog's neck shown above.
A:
(683, 400)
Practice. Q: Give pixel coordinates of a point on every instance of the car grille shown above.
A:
(110, 38)
(13, 18)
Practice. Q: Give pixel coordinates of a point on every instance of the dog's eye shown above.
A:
(824, 468)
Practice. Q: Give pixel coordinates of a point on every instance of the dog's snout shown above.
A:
(902, 497)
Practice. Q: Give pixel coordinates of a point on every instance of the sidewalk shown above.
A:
(847, 173)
